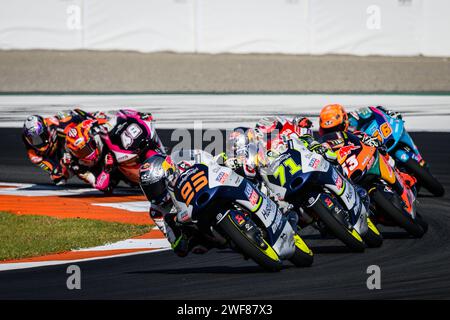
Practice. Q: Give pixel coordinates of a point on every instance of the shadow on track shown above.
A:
(207, 270)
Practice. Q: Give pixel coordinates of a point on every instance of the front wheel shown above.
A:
(266, 258)
(350, 238)
(303, 256)
(425, 178)
(372, 237)
(392, 207)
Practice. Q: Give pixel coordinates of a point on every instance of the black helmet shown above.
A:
(152, 179)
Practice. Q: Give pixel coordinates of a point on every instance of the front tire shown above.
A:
(268, 258)
(425, 178)
(350, 238)
(372, 237)
(303, 256)
(387, 206)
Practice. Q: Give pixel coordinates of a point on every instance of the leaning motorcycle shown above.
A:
(392, 200)
(132, 139)
(391, 131)
(305, 179)
(224, 205)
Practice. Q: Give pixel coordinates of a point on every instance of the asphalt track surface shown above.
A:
(410, 268)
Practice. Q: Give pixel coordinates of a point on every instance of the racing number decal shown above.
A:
(386, 131)
(195, 184)
(350, 164)
(130, 134)
(280, 172)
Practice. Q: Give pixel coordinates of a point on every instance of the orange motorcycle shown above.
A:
(391, 192)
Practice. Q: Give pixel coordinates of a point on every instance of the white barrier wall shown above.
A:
(361, 27)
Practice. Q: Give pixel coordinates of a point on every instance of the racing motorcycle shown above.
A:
(132, 138)
(222, 204)
(306, 180)
(392, 199)
(391, 131)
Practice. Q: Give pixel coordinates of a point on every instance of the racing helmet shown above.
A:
(83, 143)
(239, 139)
(152, 178)
(303, 126)
(267, 129)
(333, 117)
(36, 133)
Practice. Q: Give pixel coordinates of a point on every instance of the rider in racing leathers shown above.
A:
(158, 176)
(334, 118)
(44, 140)
(99, 147)
(252, 149)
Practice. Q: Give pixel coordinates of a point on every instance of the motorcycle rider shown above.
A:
(334, 119)
(44, 141)
(158, 176)
(100, 146)
(251, 147)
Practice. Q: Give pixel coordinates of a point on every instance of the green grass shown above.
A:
(28, 236)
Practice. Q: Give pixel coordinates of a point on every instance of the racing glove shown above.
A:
(58, 177)
(102, 182)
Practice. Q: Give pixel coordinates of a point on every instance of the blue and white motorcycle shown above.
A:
(306, 180)
(223, 205)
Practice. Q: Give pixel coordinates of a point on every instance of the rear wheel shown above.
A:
(303, 256)
(350, 238)
(373, 237)
(425, 178)
(265, 257)
(391, 206)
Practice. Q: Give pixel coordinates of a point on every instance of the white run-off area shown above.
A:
(224, 111)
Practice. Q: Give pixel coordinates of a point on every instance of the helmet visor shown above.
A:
(88, 152)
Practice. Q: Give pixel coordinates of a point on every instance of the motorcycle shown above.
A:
(222, 204)
(401, 147)
(132, 139)
(392, 199)
(306, 180)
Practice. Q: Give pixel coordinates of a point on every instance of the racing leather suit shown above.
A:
(52, 160)
(125, 139)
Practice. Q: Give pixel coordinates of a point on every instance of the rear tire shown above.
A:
(249, 248)
(303, 256)
(425, 178)
(337, 229)
(413, 227)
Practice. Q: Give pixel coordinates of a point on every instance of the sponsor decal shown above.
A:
(346, 150)
(338, 182)
(248, 190)
(72, 133)
(254, 197)
(222, 177)
(36, 159)
(248, 226)
(184, 216)
(328, 202)
(239, 219)
(314, 163)
(277, 223)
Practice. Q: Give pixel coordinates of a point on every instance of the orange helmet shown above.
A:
(81, 143)
(333, 117)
